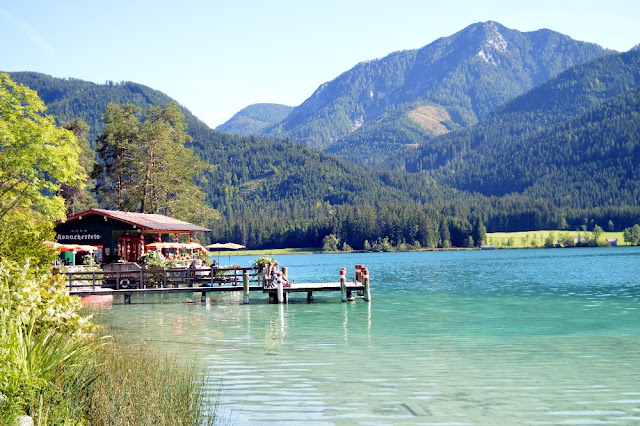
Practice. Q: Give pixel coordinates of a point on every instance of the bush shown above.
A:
(153, 259)
(42, 330)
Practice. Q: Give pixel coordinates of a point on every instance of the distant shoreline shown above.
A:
(519, 240)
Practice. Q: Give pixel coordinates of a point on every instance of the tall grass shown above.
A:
(140, 386)
(44, 372)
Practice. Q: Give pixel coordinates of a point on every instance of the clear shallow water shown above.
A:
(483, 337)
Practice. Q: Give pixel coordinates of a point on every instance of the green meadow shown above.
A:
(537, 238)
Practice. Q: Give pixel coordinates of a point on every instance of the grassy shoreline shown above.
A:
(523, 239)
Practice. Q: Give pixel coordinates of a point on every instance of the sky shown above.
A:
(216, 57)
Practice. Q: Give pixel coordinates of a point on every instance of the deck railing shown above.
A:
(158, 278)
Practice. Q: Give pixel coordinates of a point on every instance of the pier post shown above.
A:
(359, 279)
(203, 297)
(309, 296)
(127, 298)
(245, 286)
(280, 289)
(343, 284)
(367, 286)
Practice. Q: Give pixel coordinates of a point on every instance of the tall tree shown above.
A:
(146, 166)
(36, 157)
(78, 198)
(117, 154)
(479, 232)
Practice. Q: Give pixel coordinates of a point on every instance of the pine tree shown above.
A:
(117, 153)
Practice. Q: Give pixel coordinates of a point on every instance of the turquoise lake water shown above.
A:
(457, 338)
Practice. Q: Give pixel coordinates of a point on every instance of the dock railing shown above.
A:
(142, 278)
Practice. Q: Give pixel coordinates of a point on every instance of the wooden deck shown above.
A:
(180, 280)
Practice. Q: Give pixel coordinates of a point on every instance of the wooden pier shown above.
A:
(131, 281)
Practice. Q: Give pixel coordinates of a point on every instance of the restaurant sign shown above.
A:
(78, 237)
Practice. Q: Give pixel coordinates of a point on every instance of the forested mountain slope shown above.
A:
(280, 193)
(468, 75)
(69, 98)
(253, 119)
(551, 132)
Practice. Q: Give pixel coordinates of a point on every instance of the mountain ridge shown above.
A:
(253, 119)
(468, 74)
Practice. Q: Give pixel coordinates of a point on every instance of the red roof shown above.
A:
(152, 222)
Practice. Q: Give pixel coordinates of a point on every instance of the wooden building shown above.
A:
(119, 234)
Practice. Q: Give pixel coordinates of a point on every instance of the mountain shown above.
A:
(69, 98)
(253, 119)
(464, 77)
(276, 193)
(508, 170)
(574, 140)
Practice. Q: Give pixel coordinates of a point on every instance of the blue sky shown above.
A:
(216, 57)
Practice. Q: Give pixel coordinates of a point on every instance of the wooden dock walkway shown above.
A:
(127, 282)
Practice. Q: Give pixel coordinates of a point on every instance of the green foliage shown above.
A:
(632, 235)
(549, 241)
(42, 329)
(571, 140)
(330, 243)
(253, 119)
(78, 198)
(117, 156)
(153, 259)
(37, 157)
(146, 167)
(137, 385)
(259, 263)
(23, 240)
(479, 232)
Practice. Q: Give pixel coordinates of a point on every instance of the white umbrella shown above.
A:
(224, 246)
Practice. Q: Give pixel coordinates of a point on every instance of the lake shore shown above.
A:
(501, 240)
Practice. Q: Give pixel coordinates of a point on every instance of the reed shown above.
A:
(139, 385)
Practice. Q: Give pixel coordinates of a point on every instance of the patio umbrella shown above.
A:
(164, 245)
(194, 246)
(74, 248)
(224, 246)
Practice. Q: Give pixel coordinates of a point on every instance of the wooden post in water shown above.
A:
(367, 286)
(280, 288)
(343, 284)
(127, 298)
(245, 286)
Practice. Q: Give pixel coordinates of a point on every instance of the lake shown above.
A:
(540, 336)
